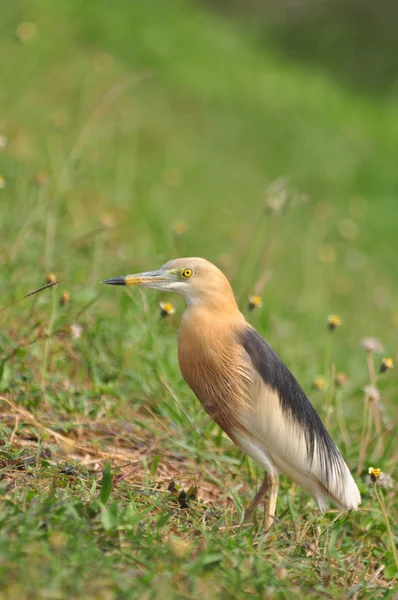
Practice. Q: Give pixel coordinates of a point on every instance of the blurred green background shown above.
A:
(260, 135)
(165, 113)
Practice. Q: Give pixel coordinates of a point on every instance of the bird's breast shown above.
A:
(213, 365)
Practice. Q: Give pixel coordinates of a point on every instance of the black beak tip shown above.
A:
(115, 281)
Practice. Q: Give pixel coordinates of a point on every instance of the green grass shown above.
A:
(124, 120)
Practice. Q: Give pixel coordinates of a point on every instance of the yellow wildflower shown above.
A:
(26, 32)
(107, 220)
(319, 383)
(64, 298)
(341, 379)
(166, 309)
(334, 321)
(274, 203)
(255, 302)
(386, 364)
(374, 473)
(179, 229)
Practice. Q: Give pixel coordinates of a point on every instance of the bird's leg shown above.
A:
(257, 498)
(271, 505)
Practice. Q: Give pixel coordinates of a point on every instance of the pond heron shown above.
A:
(248, 391)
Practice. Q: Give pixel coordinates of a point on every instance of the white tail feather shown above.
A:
(276, 443)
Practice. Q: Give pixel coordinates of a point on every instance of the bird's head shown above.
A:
(198, 280)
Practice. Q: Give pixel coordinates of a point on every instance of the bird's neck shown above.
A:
(211, 315)
(217, 301)
(205, 321)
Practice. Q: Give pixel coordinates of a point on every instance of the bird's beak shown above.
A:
(149, 279)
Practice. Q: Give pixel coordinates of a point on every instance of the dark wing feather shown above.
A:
(294, 402)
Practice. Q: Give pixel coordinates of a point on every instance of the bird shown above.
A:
(248, 390)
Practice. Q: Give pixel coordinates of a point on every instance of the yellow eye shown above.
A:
(187, 273)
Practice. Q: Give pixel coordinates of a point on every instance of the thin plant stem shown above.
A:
(364, 435)
(375, 408)
(98, 253)
(48, 341)
(340, 419)
(330, 393)
(246, 243)
(51, 228)
(371, 368)
(377, 420)
(178, 244)
(329, 371)
(265, 273)
(328, 355)
(371, 414)
(380, 498)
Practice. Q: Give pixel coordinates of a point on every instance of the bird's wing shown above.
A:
(287, 428)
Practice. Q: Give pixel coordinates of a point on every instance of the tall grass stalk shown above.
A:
(380, 498)
(48, 342)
